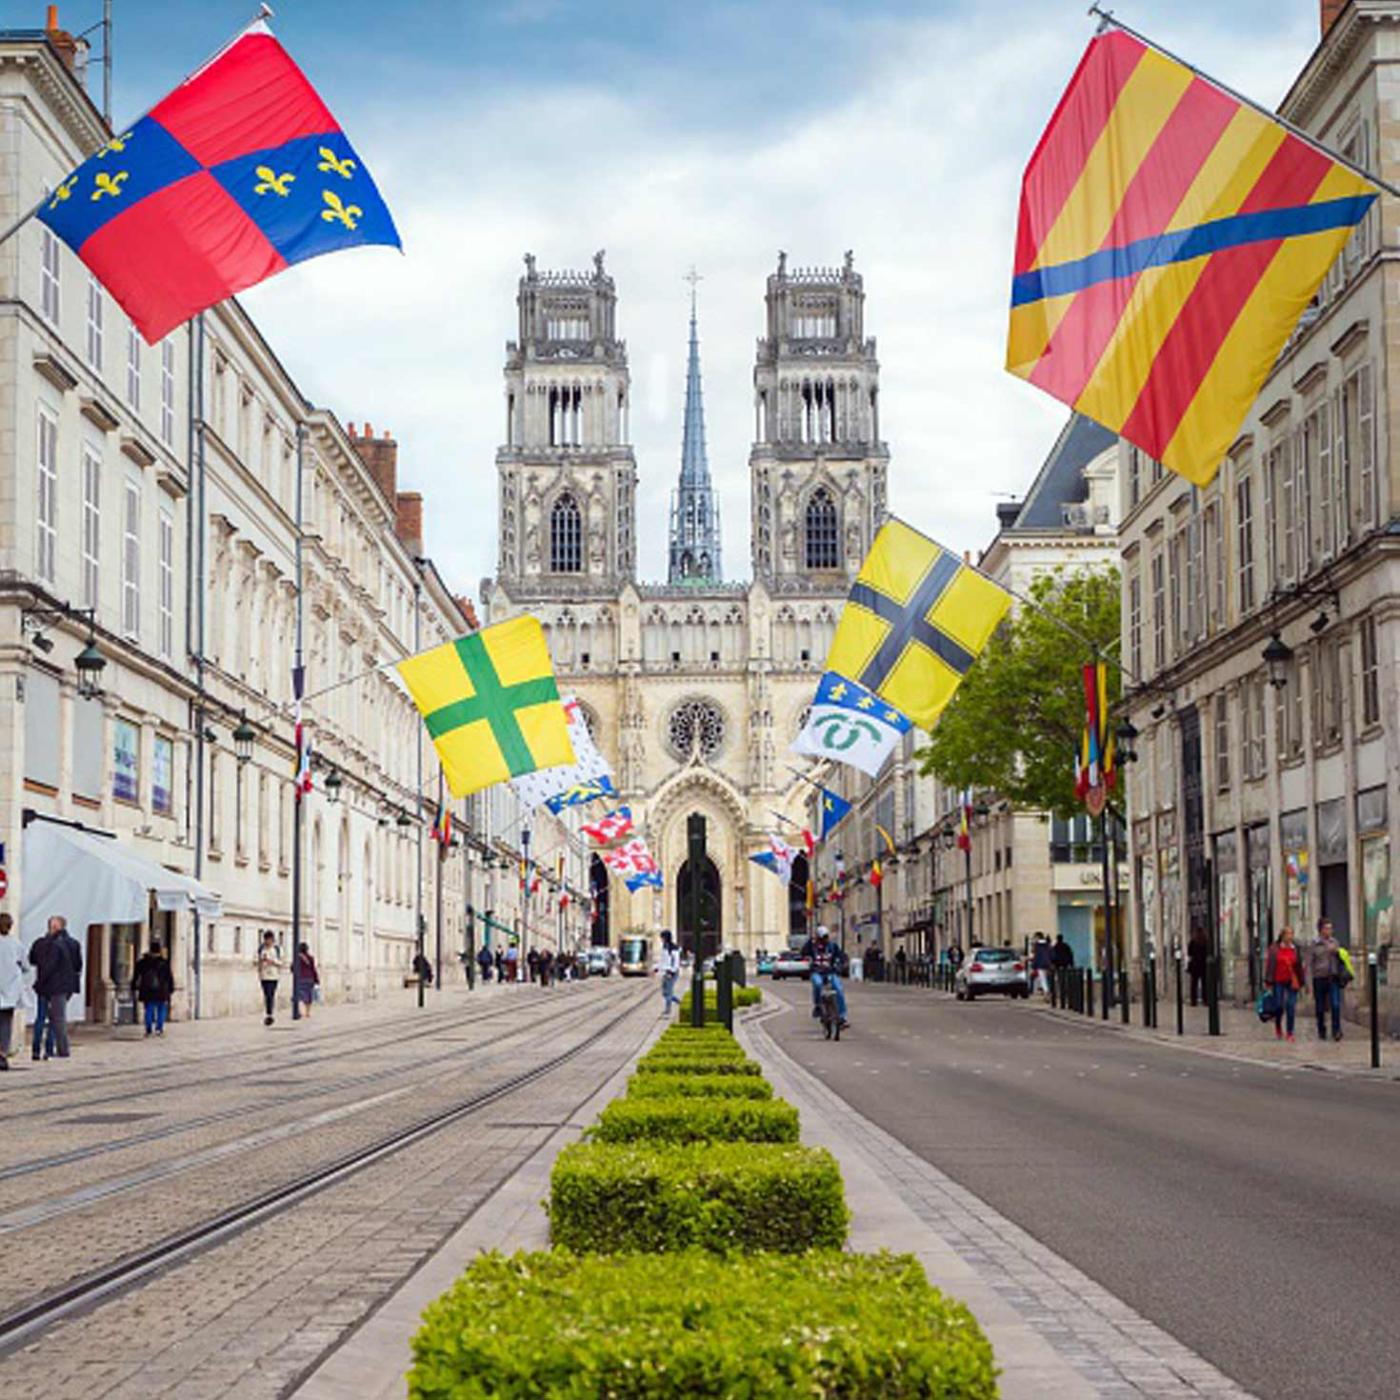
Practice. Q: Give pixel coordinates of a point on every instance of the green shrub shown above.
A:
(721, 1196)
(743, 996)
(727, 1086)
(714, 1047)
(637, 1327)
(685, 1119)
(694, 1064)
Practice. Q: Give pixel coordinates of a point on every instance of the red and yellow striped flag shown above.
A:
(1170, 237)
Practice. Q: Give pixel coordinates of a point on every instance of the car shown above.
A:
(599, 962)
(763, 963)
(791, 963)
(992, 970)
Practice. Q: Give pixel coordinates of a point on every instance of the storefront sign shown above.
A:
(163, 775)
(126, 760)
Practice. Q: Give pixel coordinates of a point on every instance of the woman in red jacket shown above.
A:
(1283, 975)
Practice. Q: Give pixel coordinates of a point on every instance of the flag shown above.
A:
(580, 793)
(638, 856)
(850, 725)
(778, 857)
(491, 705)
(442, 826)
(236, 174)
(644, 879)
(534, 789)
(877, 873)
(1170, 237)
(914, 622)
(1095, 775)
(301, 782)
(965, 822)
(886, 837)
(610, 827)
(559, 881)
(833, 808)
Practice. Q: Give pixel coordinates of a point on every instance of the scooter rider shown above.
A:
(827, 960)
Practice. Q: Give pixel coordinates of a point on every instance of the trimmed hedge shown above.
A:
(743, 996)
(682, 1119)
(640, 1328)
(726, 1086)
(720, 1196)
(694, 1064)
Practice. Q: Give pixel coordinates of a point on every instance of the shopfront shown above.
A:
(1377, 904)
(1297, 872)
(1229, 930)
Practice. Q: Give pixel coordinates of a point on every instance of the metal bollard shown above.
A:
(1123, 994)
(1180, 997)
(1089, 990)
(1373, 992)
(1152, 974)
(1213, 994)
(1146, 998)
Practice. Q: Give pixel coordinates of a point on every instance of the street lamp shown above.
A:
(90, 664)
(1276, 656)
(243, 737)
(334, 782)
(1127, 737)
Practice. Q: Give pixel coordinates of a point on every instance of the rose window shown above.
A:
(695, 723)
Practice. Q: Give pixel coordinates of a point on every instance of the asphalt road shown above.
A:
(1253, 1213)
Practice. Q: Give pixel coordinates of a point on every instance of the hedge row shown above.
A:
(700, 1086)
(689, 1119)
(644, 1327)
(695, 1064)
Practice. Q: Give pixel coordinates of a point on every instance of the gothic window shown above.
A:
(822, 551)
(566, 536)
(695, 725)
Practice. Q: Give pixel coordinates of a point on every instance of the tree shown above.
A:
(1016, 722)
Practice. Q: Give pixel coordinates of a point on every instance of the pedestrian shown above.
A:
(1284, 976)
(544, 966)
(500, 961)
(668, 964)
(1040, 961)
(269, 966)
(485, 961)
(512, 964)
(153, 984)
(532, 961)
(423, 969)
(1197, 950)
(305, 979)
(11, 985)
(1061, 955)
(955, 956)
(59, 972)
(1325, 968)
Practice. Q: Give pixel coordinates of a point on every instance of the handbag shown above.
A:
(1268, 1005)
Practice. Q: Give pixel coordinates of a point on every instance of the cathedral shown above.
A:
(695, 687)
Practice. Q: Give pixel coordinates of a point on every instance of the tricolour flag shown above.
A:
(302, 780)
(490, 704)
(915, 620)
(1095, 774)
(610, 827)
(778, 858)
(535, 789)
(851, 725)
(236, 174)
(442, 826)
(965, 822)
(1170, 237)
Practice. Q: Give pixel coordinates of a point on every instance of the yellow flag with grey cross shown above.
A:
(491, 705)
(915, 620)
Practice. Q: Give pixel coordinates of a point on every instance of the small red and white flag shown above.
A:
(611, 826)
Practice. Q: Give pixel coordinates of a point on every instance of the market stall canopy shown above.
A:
(90, 878)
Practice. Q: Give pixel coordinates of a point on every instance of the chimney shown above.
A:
(380, 455)
(469, 612)
(408, 523)
(61, 41)
(1007, 511)
(1331, 13)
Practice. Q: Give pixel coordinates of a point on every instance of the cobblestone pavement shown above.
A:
(250, 1316)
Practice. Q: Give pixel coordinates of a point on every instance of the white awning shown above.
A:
(95, 879)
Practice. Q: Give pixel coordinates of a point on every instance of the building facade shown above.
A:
(1259, 614)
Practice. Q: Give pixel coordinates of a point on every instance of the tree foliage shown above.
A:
(1015, 724)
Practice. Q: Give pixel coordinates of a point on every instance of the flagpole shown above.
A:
(1106, 18)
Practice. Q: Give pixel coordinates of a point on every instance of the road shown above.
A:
(1253, 1213)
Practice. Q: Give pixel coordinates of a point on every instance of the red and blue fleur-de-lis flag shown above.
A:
(1170, 237)
(238, 173)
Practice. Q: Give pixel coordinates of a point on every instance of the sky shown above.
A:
(672, 133)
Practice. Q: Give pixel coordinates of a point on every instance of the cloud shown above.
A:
(912, 158)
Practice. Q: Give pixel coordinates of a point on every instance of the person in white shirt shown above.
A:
(11, 985)
(668, 964)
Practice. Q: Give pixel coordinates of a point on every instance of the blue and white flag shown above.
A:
(851, 725)
(588, 791)
(642, 879)
(537, 788)
(778, 858)
(833, 808)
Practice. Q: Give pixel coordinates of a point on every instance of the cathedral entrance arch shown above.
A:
(711, 909)
(598, 887)
(798, 918)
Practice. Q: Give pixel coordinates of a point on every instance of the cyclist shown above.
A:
(827, 960)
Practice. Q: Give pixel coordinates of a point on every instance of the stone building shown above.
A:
(693, 688)
(1260, 614)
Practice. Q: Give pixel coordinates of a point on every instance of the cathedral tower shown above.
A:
(818, 467)
(566, 474)
(695, 541)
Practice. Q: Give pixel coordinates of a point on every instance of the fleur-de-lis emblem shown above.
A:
(333, 164)
(109, 184)
(270, 182)
(64, 191)
(117, 143)
(347, 214)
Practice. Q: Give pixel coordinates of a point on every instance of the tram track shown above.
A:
(85, 1291)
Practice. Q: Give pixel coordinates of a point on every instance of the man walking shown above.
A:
(1197, 951)
(668, 964)
(1040, 961)
(58, 962)
(269, 970)
(153, 984)
(1325, 965)
(11, 985)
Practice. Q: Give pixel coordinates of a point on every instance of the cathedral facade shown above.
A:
(695, 687)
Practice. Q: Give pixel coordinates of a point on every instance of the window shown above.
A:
(94, 324)
(133, 368)
(163, 775)
(820, 540)
(1358, 435)
(1327, 692)
(1175, 554)
(1134, 477)
(1244, 527)
(1159, 612)
(1283, 518)
(50, 305)
(1222, 741)
(167, 393)
(1289, 699)
(566, 536)
(1135, 624)
(126, 760)
(1194, 579)
(1215, 562)
(1370, 673)
(131, 560)
(46, 543)
(92, 524)
(1255, 717)
(1328, 500)
(166, 599)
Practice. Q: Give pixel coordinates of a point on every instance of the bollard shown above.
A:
(724, 994)
(1054, 990)
(1180, 998)
(1123, 994)
(1089, 991)
(1152, 975)
(1373, 991)
(1213, 994)
(1146, 997)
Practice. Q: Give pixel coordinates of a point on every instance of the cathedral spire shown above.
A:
(695, 539)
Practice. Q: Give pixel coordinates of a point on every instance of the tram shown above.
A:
(635, 960)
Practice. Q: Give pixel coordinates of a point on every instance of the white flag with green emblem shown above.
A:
(851, 725)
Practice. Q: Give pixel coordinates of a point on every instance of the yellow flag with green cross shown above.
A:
(490, 704)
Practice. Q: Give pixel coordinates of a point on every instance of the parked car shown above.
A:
(763, 963)
(791, 963)
(599, 962)
(992, 970)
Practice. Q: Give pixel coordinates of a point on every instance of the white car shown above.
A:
(993, 970)
(791, 963)
(599, 962)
